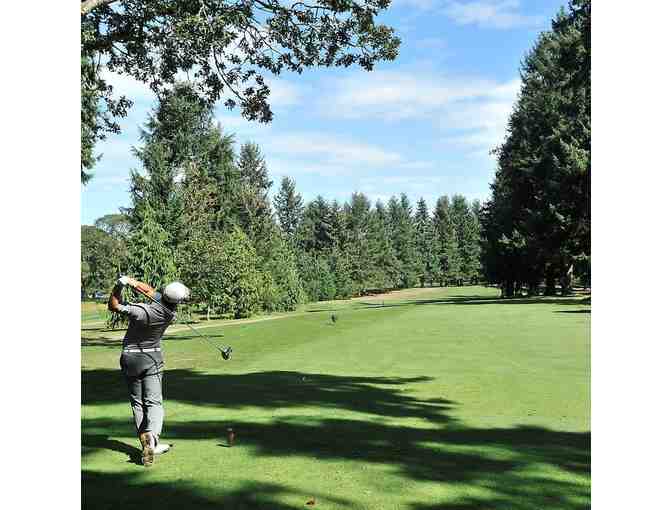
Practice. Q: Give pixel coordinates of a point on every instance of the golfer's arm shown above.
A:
(114, 302)
(144, 288)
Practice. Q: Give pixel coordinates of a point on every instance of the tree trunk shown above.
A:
(532, 289)
(550, 284)
(509, 289)
(566, 281)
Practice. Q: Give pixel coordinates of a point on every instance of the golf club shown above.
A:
(225, 351)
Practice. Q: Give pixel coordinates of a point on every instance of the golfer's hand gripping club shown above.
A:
(142, 288)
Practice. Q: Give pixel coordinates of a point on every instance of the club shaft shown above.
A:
(165, 308)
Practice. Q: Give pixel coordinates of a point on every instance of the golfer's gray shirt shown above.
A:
(146, 324)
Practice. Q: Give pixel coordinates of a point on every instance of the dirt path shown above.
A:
(179, 328)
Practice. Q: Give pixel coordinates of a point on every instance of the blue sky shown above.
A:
(422, 125)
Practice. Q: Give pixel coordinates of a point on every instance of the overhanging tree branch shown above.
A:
(89, 5)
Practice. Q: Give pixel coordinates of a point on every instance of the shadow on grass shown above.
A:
(102, 328)
(101, 341)
(480, 300)
(92, 442)
(382, 396)
(112, 491)
(573, 311)
(517, 467)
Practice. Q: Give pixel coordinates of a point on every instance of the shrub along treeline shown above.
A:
(202, 213)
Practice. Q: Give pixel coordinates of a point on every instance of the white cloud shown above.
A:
(124, 85)
(417, 165)
(471, 113)
(404, 95)
(433, 43)
(117, 149)
(402, 182)
(423, 5)
(331, 150)
(232, 122)
(481, 126)
(280, 166)
(500, 14)
(283, 92)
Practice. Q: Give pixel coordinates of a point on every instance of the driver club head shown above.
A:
(226, 352)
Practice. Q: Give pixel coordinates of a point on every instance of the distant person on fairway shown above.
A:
(141, 358)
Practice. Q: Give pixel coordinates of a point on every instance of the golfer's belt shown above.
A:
(153, 349)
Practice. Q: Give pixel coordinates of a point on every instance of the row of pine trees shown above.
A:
(536, 226)
(202, 212)
(357, 247)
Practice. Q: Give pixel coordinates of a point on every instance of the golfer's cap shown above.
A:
(176, 292)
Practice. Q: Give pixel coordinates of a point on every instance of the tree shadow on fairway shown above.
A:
(91, 442)
(518, 467)
(101, 341)
(542, 300)
(132, 491)
(499, 467)
(479, 300)
(381, 396)
(573, 311)
(101, 328)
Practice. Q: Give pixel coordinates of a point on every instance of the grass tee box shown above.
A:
(440, 399)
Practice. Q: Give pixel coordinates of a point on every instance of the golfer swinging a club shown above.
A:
(141, 358)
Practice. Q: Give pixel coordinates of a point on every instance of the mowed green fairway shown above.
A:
(441, 399)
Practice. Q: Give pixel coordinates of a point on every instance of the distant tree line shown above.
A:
(536, 226)
(201, 212)
(353, 248)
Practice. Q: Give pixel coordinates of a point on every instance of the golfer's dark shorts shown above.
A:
(141, 364)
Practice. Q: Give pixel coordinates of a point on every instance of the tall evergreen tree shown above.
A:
(199, 200)
(151, 258)
(468, 241)
(386, 265)
(255, 215)
(316, 233)
(447, 248)
(358, 247)
(537, 223)
(338, 221)
(282, 290)
(179, 135)
(221, 167)
(253, 169)
(288, 207)
(426, 243)
(403, 238)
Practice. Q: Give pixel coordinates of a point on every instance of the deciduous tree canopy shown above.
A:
(227, 48)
